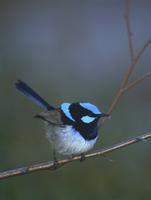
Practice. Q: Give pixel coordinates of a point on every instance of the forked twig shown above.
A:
(122, 90)
(125, 89)
(136, 82)
(134, 60)
(133, 64)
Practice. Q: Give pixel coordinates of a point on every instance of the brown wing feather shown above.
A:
(52, 117)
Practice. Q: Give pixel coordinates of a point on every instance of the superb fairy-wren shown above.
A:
(72, 128)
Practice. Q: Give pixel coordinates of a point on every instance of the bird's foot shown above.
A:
(82, 157)
(55, 164)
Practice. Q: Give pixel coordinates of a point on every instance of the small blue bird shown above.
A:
(72, 128)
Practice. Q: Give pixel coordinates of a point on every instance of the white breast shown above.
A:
(67, 141)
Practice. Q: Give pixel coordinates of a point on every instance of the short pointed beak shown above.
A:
(102, 115)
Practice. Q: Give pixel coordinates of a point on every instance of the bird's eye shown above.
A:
(87, 119)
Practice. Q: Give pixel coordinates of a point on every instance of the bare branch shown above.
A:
(60, 163)
(136, 82)
(124, 90)
(114, 102)
(133, 64)
(128, 27)
(124, 87)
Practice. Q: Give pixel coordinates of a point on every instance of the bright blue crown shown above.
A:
(91, 108)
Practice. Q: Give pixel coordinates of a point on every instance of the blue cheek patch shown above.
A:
(87, 119)
(65, 109)
(91, 108)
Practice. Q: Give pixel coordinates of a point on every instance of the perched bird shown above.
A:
(72, 128)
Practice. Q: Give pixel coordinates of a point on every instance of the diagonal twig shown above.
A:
(128, 28)
(124, 85)
(136, 82)
(125, 89)
(133, 64)
(60, 163)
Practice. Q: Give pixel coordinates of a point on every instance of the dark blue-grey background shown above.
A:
(73, 51)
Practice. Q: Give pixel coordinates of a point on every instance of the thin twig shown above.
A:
(127, 88)
(124, 87)
(126, 77)
(133, 64)
(114, 103)
(60, 163)
(128, 28)
(136, 82)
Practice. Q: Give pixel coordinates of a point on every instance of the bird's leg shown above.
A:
(72, 156)
(55, 162)
(82, 157)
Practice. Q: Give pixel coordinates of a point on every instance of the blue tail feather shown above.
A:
(32, 95)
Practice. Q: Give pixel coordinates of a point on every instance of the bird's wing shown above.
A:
(52, 117)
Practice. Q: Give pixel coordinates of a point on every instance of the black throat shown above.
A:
(87, 131)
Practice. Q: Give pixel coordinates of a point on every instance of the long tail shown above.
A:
(32, 95)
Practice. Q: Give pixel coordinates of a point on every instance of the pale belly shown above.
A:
(68, 141)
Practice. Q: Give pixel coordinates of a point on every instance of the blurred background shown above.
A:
(73, 51)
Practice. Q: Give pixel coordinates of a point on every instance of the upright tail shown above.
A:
(32, 95)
